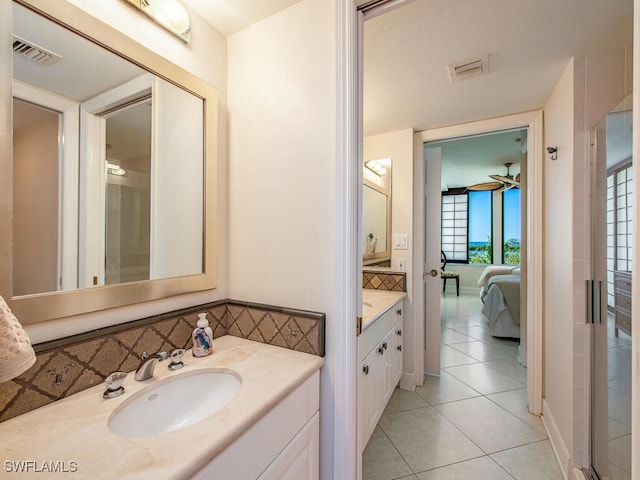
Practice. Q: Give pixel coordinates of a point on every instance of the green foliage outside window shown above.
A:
(481, 252)
(511, 252)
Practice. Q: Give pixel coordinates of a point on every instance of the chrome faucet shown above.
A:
(147, 365)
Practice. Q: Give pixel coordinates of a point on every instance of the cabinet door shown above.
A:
(388, 386)
(372, 374)
(395, 347)
(300, 460)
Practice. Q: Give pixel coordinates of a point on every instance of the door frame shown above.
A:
(532, 269)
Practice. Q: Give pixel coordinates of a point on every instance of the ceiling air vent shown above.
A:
(468, 69)
(34, 52)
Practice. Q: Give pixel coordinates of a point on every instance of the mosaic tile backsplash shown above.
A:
(395, 281)
(67, 366)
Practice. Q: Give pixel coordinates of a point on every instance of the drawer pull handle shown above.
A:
(399, 332)
(365, 369)
(399, 348)
(380, 350)
(399, 311)
(384, 346)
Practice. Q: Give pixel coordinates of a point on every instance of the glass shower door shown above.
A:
(612, 204)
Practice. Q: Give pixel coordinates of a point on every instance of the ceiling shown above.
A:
(470, 160)
(407, 50)
(231, 16)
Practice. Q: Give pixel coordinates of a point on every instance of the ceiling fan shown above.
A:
(500, 182)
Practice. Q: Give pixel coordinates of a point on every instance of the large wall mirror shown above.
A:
(376, 212)
(109, 153)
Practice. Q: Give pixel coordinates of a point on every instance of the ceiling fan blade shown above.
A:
(484, 187)
(505, 179)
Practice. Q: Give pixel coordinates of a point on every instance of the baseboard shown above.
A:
(578, 474)
(407, 382)
(557, 443)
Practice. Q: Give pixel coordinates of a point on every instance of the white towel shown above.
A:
(16, 353)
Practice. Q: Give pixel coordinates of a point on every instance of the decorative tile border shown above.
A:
(394, 281)
(69, 365)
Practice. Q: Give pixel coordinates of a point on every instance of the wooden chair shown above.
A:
(446, 275)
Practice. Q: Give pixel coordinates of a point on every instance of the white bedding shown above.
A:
(501, 324)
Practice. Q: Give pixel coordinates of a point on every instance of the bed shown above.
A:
(500, 293)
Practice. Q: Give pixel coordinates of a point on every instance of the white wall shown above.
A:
(205, 57)
(558, 267)
(399, 146)
(283, 173)
(591, 86)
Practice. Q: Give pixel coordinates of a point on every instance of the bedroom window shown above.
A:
(511, 227)
(467, 227)
(454, 227)
(619, 228)
(480, 227)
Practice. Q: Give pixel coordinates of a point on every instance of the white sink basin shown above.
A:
(174, 403)
(365, 306)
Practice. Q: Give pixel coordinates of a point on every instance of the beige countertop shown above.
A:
(376, 303)
(75, 429)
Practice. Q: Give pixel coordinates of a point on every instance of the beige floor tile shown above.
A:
(489, 426)
(450, 357)
(478, 468)
(404, 400)
(483, 351)
(475, 332)
(444, 388)
(535, 461)
(620, 453)
(509, 367)
(426, 440)
(381, 461)
(515, 402)
(449, 336)
(484, 379)
(617, 429)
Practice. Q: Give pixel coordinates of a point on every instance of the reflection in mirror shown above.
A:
(35, 198)
(137, 151)
(376, 212)
(107, 206)
(612, 241)
(128, 148)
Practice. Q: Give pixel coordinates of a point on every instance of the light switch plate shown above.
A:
(400, 241)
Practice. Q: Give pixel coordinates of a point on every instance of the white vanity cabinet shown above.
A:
(282, 445)
(380, 347)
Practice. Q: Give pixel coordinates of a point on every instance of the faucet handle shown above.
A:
(161, 355)
(176, 359)
(114, 385)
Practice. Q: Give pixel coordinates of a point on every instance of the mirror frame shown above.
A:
(52, 305)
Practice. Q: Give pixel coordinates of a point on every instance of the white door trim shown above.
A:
(339, 458)
(68, 173)
(534, 254)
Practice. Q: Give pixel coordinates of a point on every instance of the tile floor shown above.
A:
(472, 421)
(617, 454)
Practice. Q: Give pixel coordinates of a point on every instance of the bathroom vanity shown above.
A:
(269, 430)
(380, 350)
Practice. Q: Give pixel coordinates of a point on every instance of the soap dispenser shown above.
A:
(202, 337)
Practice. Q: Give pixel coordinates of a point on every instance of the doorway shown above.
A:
(476, 226)
(427, 259)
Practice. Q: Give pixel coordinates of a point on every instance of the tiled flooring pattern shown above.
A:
(472, 421)
(619, 403)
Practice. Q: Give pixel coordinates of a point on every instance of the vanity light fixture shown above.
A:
(168, 13)
(378, 166)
